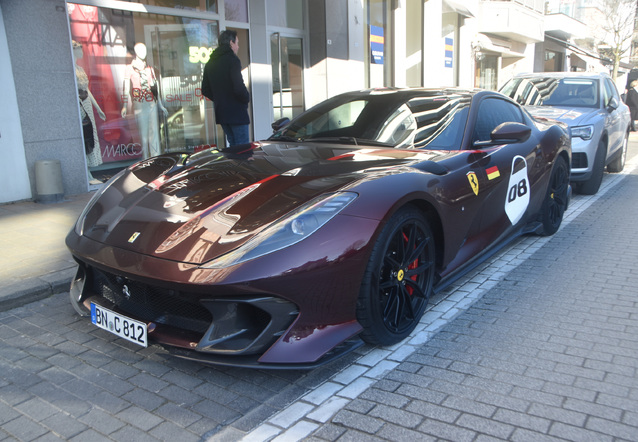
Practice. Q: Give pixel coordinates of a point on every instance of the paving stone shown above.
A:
(396, 416)
(358, 421)
(64, 425)
(445, 431)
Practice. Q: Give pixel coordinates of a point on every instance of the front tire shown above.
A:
(591, 186)
(556, 199)
(398, 280)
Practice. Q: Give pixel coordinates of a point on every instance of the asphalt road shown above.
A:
(63, 379)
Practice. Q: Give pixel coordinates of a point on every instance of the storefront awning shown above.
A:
(452, 6)
(487, 44)
(586, 63)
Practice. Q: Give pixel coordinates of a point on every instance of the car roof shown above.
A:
(591, 75)
(407, 93)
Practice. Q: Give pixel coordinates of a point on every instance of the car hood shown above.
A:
(570, 116)
(194, 208)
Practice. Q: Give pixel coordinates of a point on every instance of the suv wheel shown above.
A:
(618, 164)
(591, 186)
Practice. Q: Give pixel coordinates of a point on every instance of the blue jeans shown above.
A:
(236, 133)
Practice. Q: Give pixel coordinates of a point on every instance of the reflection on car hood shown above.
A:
(198, 207)
(570, 116)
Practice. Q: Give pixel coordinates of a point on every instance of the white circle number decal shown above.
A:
(518, 190)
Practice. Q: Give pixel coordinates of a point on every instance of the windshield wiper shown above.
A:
(286, 138)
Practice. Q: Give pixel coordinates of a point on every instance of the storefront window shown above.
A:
(236, 10)
(139, 84)
(285, 13)
(553, 61)
(486, 71)
(197, 5)
(379, 32)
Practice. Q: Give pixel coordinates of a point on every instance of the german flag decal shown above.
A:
(492, 173)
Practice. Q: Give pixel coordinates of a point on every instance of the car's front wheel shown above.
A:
(399, 278)
(556, 199)
(618, 164)
(591, 186)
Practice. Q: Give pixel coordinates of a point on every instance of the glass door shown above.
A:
(287, 76)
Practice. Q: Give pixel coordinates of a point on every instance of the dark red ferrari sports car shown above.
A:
(291, 251)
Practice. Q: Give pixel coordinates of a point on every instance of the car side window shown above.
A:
(610, 91)
(493, 112)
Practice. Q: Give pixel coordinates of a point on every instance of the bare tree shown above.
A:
(617, 29)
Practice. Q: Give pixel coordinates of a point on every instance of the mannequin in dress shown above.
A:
(87, 104)
(141, 86)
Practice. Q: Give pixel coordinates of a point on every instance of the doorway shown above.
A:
(287, 76)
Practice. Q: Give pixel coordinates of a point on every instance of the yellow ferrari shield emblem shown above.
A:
(471, 177)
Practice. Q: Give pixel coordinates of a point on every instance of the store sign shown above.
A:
(199, 54)
(376, 44)
(449, 52)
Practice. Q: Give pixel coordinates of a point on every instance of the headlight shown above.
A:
(289, 230)
(584, 132)
(79, 224)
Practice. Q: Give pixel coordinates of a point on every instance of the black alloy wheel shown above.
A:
(556, 199)
(399, 278)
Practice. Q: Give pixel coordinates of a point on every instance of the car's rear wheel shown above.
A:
(399, 278)
(555, 202)
(618, 164)
(591, 186)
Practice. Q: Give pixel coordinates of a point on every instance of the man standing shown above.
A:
(224, 85)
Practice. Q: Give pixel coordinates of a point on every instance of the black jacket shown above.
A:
(224, 85)
(632, 102)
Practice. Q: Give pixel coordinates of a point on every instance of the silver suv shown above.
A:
(590, 105)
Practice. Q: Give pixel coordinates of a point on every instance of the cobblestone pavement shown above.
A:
(540, 343)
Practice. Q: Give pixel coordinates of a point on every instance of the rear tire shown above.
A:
(398, 280)
(591, 186)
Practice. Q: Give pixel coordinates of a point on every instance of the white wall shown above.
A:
(14, 182)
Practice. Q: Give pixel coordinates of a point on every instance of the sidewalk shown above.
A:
(35, 262)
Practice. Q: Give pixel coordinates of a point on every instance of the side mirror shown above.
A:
(508, 132)
(613, 104)
(280, 123)
(511, 132)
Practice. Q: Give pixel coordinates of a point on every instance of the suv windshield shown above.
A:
(550, 91)
(433, 122)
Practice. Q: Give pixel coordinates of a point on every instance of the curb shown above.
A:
(34, 289)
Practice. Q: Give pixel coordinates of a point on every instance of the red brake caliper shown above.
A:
(411, 266)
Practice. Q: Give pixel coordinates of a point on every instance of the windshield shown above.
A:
(548, 91)
(434, 122)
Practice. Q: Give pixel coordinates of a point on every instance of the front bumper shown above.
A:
(583, 154)
(244, 331)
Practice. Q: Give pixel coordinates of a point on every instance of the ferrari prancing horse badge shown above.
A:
(471, 177)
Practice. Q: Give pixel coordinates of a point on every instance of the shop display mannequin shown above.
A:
(87, 104)
(141, 86)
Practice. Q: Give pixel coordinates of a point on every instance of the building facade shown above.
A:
(100, 84)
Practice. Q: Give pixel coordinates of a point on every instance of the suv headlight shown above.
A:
(289, 230)
(584, 132)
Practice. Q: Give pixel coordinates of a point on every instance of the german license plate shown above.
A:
(120, 325)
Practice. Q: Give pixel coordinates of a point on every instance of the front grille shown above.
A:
(579, 160)
(150, 303)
